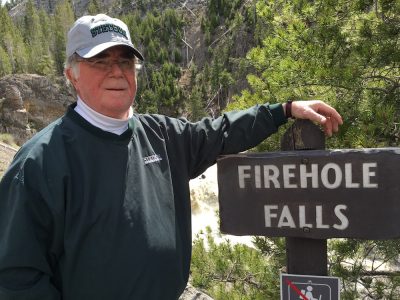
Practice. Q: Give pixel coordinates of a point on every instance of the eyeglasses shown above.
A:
(105, 64)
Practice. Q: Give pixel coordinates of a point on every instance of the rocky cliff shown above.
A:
(29, 102)
(79, 6)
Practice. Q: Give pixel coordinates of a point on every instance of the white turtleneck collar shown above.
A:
(103, 122)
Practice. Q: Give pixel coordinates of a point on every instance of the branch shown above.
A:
(376, 89)
(248, 279)
(381, 77)
(186, 43)
(327, 85)
(382, 90)
(184, 6)
(380, 273)
(212, 99)
(221, 36)
(8, 147)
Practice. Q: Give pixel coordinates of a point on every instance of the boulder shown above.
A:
(29, 102)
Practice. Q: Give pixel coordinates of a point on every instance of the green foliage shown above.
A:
(196, 105)
(364, 267)
(8, 139)
(94, 7)
(63, 20)
(45, 66)
(343, 52)
(147, 5)
(160, 35)
(219, 11)
(12, 43)
(230, 271)
(5, 63)
(34, 38)
(40, 49)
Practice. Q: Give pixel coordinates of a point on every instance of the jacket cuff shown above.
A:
(277, 114)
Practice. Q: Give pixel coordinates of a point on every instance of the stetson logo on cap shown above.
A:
(107, 28)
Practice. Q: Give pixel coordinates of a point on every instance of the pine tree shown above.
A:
(33, 37)
(94, 7)
(12, 43)
(63, 20)
(5, 63)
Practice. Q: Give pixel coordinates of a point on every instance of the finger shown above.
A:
(335, 125)
(328, 127)
(312, 115)
(329, 111)
(309, 110)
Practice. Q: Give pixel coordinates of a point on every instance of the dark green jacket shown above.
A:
(86, 214)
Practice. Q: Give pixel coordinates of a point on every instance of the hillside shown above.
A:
(192, 49)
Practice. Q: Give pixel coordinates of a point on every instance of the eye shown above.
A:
(125, 63)
(100, 63)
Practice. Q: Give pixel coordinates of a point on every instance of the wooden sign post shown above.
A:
(304, 255)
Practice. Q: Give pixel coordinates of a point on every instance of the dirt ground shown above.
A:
(6, 155)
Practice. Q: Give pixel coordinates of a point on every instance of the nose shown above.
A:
(115, 68)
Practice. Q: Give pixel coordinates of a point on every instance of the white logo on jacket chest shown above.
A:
(152, 159)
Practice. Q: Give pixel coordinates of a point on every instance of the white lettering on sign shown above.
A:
(302, 217)
(367, 174)
(271, 174)
(288, 172)
(291, 176)
(349, 176)
(335, 169)
(342, 218)
(280, 217)
(242, 175)
(286, 219)
(313, 175)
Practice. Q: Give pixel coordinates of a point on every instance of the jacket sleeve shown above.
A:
(231, 133)
(28, 238)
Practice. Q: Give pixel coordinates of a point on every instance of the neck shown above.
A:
(116, 126)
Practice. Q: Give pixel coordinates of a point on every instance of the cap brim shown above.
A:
(92, 51)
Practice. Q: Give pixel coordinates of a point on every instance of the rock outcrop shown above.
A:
(29, 102)
(191, 293)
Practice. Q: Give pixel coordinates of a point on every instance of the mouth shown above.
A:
(115, 89)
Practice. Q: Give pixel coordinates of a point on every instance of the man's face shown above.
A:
(107, 82)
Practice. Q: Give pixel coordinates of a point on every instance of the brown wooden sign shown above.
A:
(315, 194)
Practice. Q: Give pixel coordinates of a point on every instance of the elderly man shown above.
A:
(96, 205)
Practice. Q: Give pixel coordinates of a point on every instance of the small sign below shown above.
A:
(309, 287)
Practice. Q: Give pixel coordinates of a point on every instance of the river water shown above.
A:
(204, 199)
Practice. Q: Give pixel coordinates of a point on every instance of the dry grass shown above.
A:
(8, 139)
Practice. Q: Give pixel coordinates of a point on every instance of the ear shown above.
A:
(71, 77)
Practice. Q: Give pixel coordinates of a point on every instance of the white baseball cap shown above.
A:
(91, 35)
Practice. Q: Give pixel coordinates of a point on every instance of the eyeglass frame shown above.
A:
(107, 67)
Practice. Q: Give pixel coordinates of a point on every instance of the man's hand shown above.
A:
(319, 112)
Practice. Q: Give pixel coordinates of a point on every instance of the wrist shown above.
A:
(287, 108)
